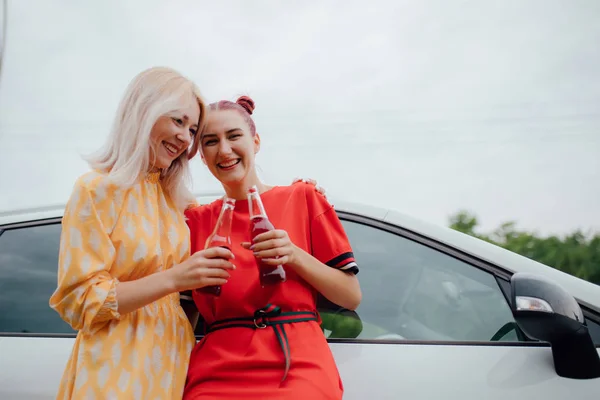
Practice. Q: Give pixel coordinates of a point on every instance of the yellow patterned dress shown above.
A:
(110, 235)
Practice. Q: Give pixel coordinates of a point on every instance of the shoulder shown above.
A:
(96, 184)
(90, 180)
(94, 193)
(303, 195)
(315, 200)
(93, 196)
(305, 190)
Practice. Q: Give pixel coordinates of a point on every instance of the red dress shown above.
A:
(241, 361)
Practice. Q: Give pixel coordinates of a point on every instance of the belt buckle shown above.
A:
(259, 315)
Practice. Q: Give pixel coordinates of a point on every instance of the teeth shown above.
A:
(171, 148)
(228, 164)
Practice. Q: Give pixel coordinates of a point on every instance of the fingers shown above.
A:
(213, 273)
(216, 263)
(321, 190)
(195, 278)
(200, 270)
(274, 234)
(214, 282)
(269, 244)
(272, 244)
(305, 180)
(216, 252)
(313, 182)
(276, 261)
(200, 260)
(272, 253)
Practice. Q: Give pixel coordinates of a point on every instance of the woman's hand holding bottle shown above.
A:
(273, 247)
(209, 267)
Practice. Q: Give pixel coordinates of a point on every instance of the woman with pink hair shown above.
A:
(266, 342)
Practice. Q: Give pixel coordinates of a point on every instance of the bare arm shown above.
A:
(204, 268)
(339, 287)
(141, 292)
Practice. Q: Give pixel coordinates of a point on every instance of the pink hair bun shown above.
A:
(247, 103)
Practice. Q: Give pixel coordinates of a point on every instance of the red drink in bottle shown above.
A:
(220, 237)
(259, 223)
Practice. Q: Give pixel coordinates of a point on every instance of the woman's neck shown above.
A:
(239, 191)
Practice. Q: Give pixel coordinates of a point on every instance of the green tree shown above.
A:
(577, 254)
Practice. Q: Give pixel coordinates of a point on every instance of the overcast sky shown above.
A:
(424, 106)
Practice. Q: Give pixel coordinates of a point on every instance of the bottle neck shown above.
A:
(255, 206)
(221, 235)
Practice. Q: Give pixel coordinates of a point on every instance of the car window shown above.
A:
(28, 270)
(594, 329)
(411, 291)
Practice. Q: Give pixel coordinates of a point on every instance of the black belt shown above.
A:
(269, 315)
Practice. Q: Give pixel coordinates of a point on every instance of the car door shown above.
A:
(35, 342)
(423, 330)
(435, 324)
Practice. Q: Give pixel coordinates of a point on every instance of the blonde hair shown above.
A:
(125, 156)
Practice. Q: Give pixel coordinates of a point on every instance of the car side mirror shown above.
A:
(545, 311)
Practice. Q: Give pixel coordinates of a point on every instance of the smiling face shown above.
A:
(172, 134)
(228, 148)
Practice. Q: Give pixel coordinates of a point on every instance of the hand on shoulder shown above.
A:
(309, 181)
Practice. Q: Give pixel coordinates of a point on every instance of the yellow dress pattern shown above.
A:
(109, 235)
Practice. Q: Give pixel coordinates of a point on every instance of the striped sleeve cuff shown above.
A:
(344, 262)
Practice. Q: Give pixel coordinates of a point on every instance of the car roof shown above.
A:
(18, 215)
(585, 292)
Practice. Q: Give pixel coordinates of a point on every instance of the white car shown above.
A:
(444, 315)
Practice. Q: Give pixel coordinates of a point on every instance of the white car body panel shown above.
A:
(32, 367)
(421, 372)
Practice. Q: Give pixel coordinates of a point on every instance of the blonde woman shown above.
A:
(124, 251)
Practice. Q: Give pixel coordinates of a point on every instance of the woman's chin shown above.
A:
(229, 178)
(231, 183)
(162, 164)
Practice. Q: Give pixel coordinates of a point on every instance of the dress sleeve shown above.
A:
(86, 293)
(329, 241)
(186, 297)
